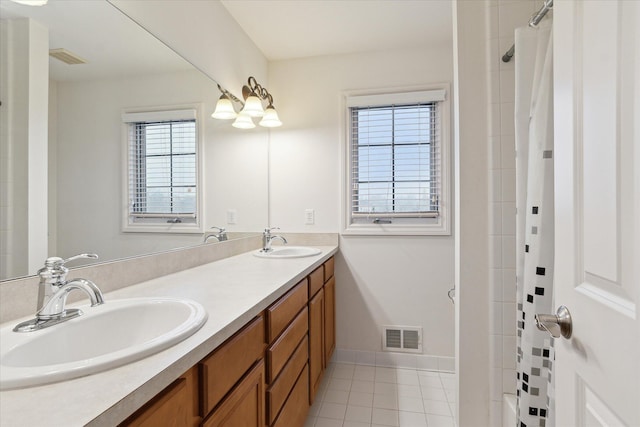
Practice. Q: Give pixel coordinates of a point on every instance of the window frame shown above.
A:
(160, 224)
(402, 225)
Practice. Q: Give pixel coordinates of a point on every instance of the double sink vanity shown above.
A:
(241, 341)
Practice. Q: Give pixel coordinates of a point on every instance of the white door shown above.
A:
(597, 202)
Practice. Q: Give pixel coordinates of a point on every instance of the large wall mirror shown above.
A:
(63, 152)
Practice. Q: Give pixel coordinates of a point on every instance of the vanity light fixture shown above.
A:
(224, 107)
(31, 2)
(243, 122)
(254, 94)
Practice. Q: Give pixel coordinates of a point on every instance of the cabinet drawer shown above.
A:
(329, 319)
(328, 269)
(283, 348)
(294, 412)
(316, 280)
(169, 407)
(244, 406)
(283, 311)
(222, 369)
(279, 390)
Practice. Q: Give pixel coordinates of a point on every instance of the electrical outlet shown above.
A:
(232, 216)
(309, 216)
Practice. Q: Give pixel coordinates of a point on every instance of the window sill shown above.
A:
(396, 230)
(163, 228)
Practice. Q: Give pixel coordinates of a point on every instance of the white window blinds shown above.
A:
(162, 164)
(395, 157)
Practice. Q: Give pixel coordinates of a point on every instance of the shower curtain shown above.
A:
(534, 222)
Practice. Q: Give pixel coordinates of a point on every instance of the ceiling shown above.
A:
(112, 44)
(287, 29)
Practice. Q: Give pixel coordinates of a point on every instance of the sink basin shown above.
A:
(104, 337)
(289, 252)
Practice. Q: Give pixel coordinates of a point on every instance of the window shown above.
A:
(163, 170)
(397, 163)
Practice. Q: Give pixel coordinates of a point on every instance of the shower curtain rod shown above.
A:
(533, 22)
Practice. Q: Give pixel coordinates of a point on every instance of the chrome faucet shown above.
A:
(221, 236)
(53, 291)
(267, 238)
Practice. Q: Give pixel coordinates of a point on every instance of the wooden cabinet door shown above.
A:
(244, 406)
(329, 319)
(316, 342)
(175, 406)
(229, 362)
(295, 410)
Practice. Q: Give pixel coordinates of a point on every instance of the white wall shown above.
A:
(381, 280)
(205, 34)
(90, 167)
(23, 146)
(472, 240)
(504, 18)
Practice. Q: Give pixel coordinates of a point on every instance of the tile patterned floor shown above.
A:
(373, 396)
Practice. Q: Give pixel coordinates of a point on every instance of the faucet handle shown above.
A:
(57, 262)
(220, 229)
(268, 230)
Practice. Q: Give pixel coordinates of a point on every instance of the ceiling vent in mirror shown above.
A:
(67, 57)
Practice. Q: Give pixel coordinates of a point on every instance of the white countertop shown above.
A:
(232, 290)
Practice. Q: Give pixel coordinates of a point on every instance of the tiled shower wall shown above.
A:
(504, 16)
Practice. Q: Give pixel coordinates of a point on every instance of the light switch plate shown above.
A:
(232, 216)
(309, 216)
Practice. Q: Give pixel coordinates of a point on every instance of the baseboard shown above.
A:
(396, 360)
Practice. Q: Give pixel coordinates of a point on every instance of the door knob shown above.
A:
(557, 325)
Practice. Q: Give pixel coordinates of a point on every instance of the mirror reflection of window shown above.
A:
(162, 165)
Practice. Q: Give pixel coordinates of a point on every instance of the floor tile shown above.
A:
(315, 408)
(343, 371)
(358, 413)
(353, 395)
(339, 384)
(332, 410)
(409, 390)
(336, 396)
(433, 393)
(387, 417)
(407, 376)
(385, 401)
(412, 419)
(365, 373)
(437, 407)
(355, 424)
(430, 381)
(411, 404)
(385, 375)
(328, 422)
(363, 386)
(448, 383)
(361, 399)
(386, 388)
(439, 421)
(428, 374)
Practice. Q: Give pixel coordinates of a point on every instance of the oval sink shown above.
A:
(104, 337)
(289, 252)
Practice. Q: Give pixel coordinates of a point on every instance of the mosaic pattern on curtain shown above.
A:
(534, 234)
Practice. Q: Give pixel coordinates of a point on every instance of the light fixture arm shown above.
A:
(255, 88)
(230, 95)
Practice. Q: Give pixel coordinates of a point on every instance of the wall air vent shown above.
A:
(67, 57)
(406, 339)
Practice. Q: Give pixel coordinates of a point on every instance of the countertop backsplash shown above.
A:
(18, 297)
